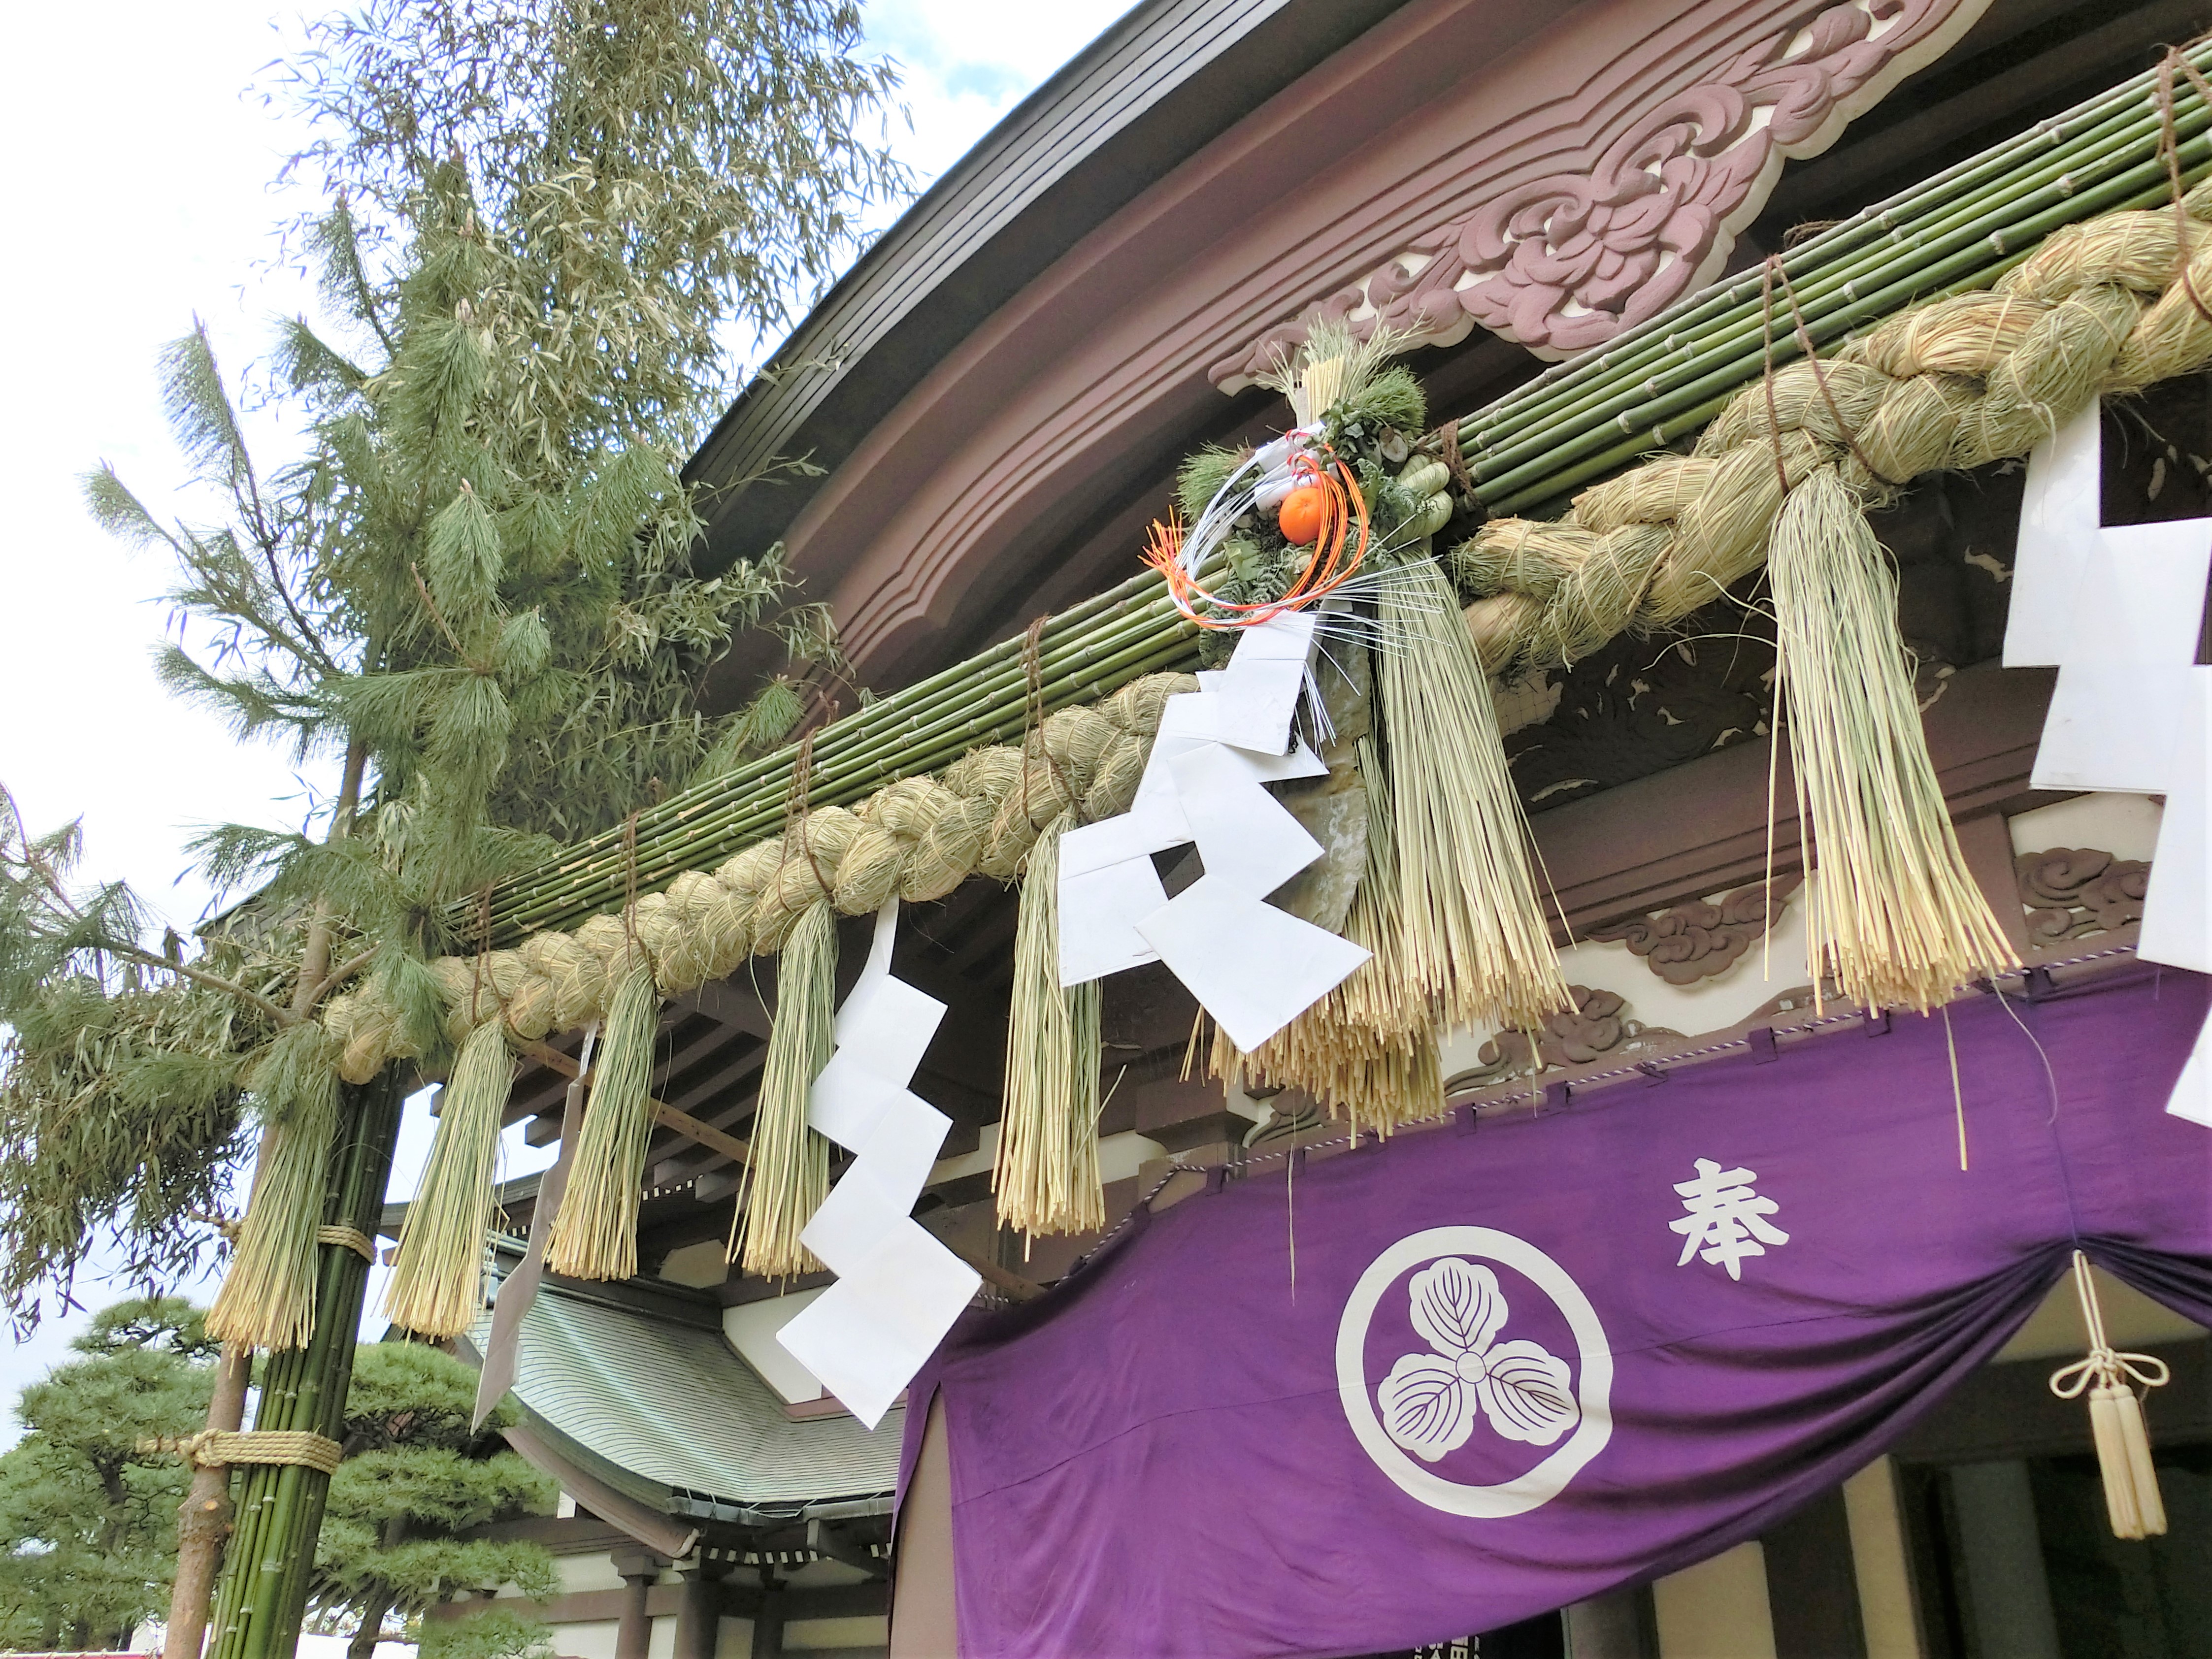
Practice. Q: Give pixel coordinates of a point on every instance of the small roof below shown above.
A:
(663, 1410)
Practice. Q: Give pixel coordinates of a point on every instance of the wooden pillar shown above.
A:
(768, 1618)
(699, 1614)
(633, 1635)
(923, 1626)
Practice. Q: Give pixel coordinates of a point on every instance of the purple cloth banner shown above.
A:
(1528, 1364)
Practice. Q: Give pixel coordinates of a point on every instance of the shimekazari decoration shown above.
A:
(1332, 520)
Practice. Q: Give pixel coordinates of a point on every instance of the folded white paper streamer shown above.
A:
(2117, 609)
(1253, 968)
(898, 1289)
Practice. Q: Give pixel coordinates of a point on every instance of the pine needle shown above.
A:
(267, 1297)
(790, 1171)
(437, 1282)
(595, 1233)
(1046, 1171)
(1476, 949)
(1895, 915)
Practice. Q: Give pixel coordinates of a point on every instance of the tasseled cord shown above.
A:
(595, 1233)
(1046, 1173)
(437, 1280)
(2116, 1417)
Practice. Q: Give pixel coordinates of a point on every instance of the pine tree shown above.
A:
(415, 1477)
(88, 1518)
(474, 595)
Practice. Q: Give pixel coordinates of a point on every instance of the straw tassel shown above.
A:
(437, 1281)
(1895, 915)
(595, 1234)
(1476, 947)
(1365, 1051)
(789, 1175)
(2132, 1498)
(267, 1297)
(1046, 1173)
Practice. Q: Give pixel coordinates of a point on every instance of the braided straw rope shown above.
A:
(2105, 306)
(215, 1448)
(919, 837)
(351, 1238)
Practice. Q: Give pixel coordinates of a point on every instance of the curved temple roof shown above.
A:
(1164, 79)
(658, 1407)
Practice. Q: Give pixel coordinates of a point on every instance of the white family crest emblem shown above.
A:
(1475, 1370)
(1727, 1218)
(1431, 1401)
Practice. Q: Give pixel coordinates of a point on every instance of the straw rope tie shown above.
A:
(2107, 307)
(351, 1238)
(215, 1448)
(919, 837)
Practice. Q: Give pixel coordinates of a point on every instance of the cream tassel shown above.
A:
(2116, 1417)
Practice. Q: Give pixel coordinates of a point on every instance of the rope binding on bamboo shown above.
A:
(350, 1238)
(217, 1449)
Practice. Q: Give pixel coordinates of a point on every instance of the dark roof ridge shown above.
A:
(1164, 79)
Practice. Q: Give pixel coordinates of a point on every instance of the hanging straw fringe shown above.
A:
(1365, 1051)
(437, 1282)
(267, 1297)
(789, 1175)
(2116, 1416)
(1046, 1173)
(1476, 949)
(1894, 914)
(595, 1233)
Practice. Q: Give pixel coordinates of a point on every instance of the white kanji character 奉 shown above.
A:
(1726, 1217)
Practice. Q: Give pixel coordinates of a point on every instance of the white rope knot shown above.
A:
(2108, 1377)
(2108, 1368)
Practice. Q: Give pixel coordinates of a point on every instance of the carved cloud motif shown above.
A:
(1565, 261)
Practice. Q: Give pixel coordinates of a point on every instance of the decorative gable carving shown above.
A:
(1563, 262)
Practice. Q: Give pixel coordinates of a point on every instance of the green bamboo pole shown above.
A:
(2072, 148)
(269, 1565)
(2066, 153)
(884, 716)
(899, 737)
(1663, 420)
(1958, 231)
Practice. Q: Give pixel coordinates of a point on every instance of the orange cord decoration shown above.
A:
(1327, 567)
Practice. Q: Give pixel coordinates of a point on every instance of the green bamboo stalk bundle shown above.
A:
(1962, 228)
(595, 1232)
(437, 1282)
(1086, 653)
(1475, 948)
(1895, 915)
(789, 1174)
(266, 1569)
(268, 1297)
(1046, 1170)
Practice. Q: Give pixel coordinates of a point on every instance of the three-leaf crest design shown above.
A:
(1430, 1401)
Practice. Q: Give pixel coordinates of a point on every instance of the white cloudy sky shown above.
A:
(141, 198)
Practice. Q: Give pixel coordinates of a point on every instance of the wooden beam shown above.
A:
(663, 1114)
